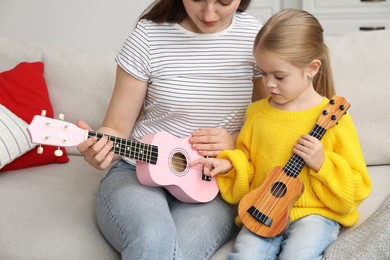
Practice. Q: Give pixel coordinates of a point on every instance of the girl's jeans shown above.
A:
(306, 238)
(148, 223)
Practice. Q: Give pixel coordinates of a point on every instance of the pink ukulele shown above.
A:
(161, 159)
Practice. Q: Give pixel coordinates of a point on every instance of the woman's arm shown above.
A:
(124, 108)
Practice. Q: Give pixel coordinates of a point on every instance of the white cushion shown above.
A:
(14, 138)
(361, 71)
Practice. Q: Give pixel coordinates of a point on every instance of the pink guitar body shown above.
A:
(172, 170)
(161, 158)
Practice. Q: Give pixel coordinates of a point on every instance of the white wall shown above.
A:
(83, 24)
(291, 4)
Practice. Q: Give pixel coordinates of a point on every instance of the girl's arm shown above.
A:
(342, 182)
(236, 183)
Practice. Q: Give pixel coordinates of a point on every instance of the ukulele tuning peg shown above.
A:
(59, 152)
(40, 149)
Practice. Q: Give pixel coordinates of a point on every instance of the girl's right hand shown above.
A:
(213, 166)
(96, 152)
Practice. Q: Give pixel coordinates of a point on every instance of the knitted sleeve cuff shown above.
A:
(234, 184)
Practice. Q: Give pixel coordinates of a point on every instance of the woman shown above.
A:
(188, 66)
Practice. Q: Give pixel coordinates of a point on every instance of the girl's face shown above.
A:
(289, 86)
(209, 16)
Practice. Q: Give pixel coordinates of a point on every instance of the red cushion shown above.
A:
(23, 91)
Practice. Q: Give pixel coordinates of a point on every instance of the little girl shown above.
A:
(295, 66)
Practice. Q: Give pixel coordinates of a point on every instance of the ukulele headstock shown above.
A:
(331, 114)
(47, 131)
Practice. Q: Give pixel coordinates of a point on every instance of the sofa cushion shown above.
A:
(361, 72)
(380, 181)
(369, 241)
(48, 212)
(23, 91)
(80, 82)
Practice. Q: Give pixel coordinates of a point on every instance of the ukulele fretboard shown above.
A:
(131, 148)
(296, 163)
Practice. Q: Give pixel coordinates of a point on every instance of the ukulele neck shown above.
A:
(296, 163)
(131, 148)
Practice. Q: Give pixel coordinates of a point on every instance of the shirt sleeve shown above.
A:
(135, 52)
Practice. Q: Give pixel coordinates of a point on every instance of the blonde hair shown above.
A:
(297, 37)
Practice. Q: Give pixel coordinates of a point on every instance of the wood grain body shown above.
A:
(272, 200)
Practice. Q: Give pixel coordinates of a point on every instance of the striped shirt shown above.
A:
(194, 80)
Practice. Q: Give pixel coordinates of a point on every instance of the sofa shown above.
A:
(48, 211)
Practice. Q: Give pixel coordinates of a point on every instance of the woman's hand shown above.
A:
(310, 149)
(96, 152)
(211, 141)
(213, 166)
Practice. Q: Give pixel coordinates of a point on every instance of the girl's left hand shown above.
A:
(211, 141)
(310, 149)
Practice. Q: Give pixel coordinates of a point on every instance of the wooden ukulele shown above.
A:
(161, 158)
(265, 210)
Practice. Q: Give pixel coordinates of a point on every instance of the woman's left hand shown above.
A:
(211, 141)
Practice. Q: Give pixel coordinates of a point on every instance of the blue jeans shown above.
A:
(306, 238)
(149, 223)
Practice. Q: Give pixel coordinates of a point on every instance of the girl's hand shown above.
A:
(311, 151)
(213, 166)
(96, 152)
(211, 141)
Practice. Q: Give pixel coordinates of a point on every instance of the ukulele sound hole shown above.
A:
(278, 189)
(179, 163)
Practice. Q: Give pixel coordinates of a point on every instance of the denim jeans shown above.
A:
(149, 223)
(306, 238)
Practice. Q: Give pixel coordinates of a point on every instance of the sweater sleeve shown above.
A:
(235, 184)
(343, 181)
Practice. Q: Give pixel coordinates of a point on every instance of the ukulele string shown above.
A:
(147, 151)
(284, 178)
(281, 189)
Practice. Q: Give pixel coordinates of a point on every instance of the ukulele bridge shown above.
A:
(259, 216)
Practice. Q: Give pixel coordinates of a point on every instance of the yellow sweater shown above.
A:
(266, 140)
